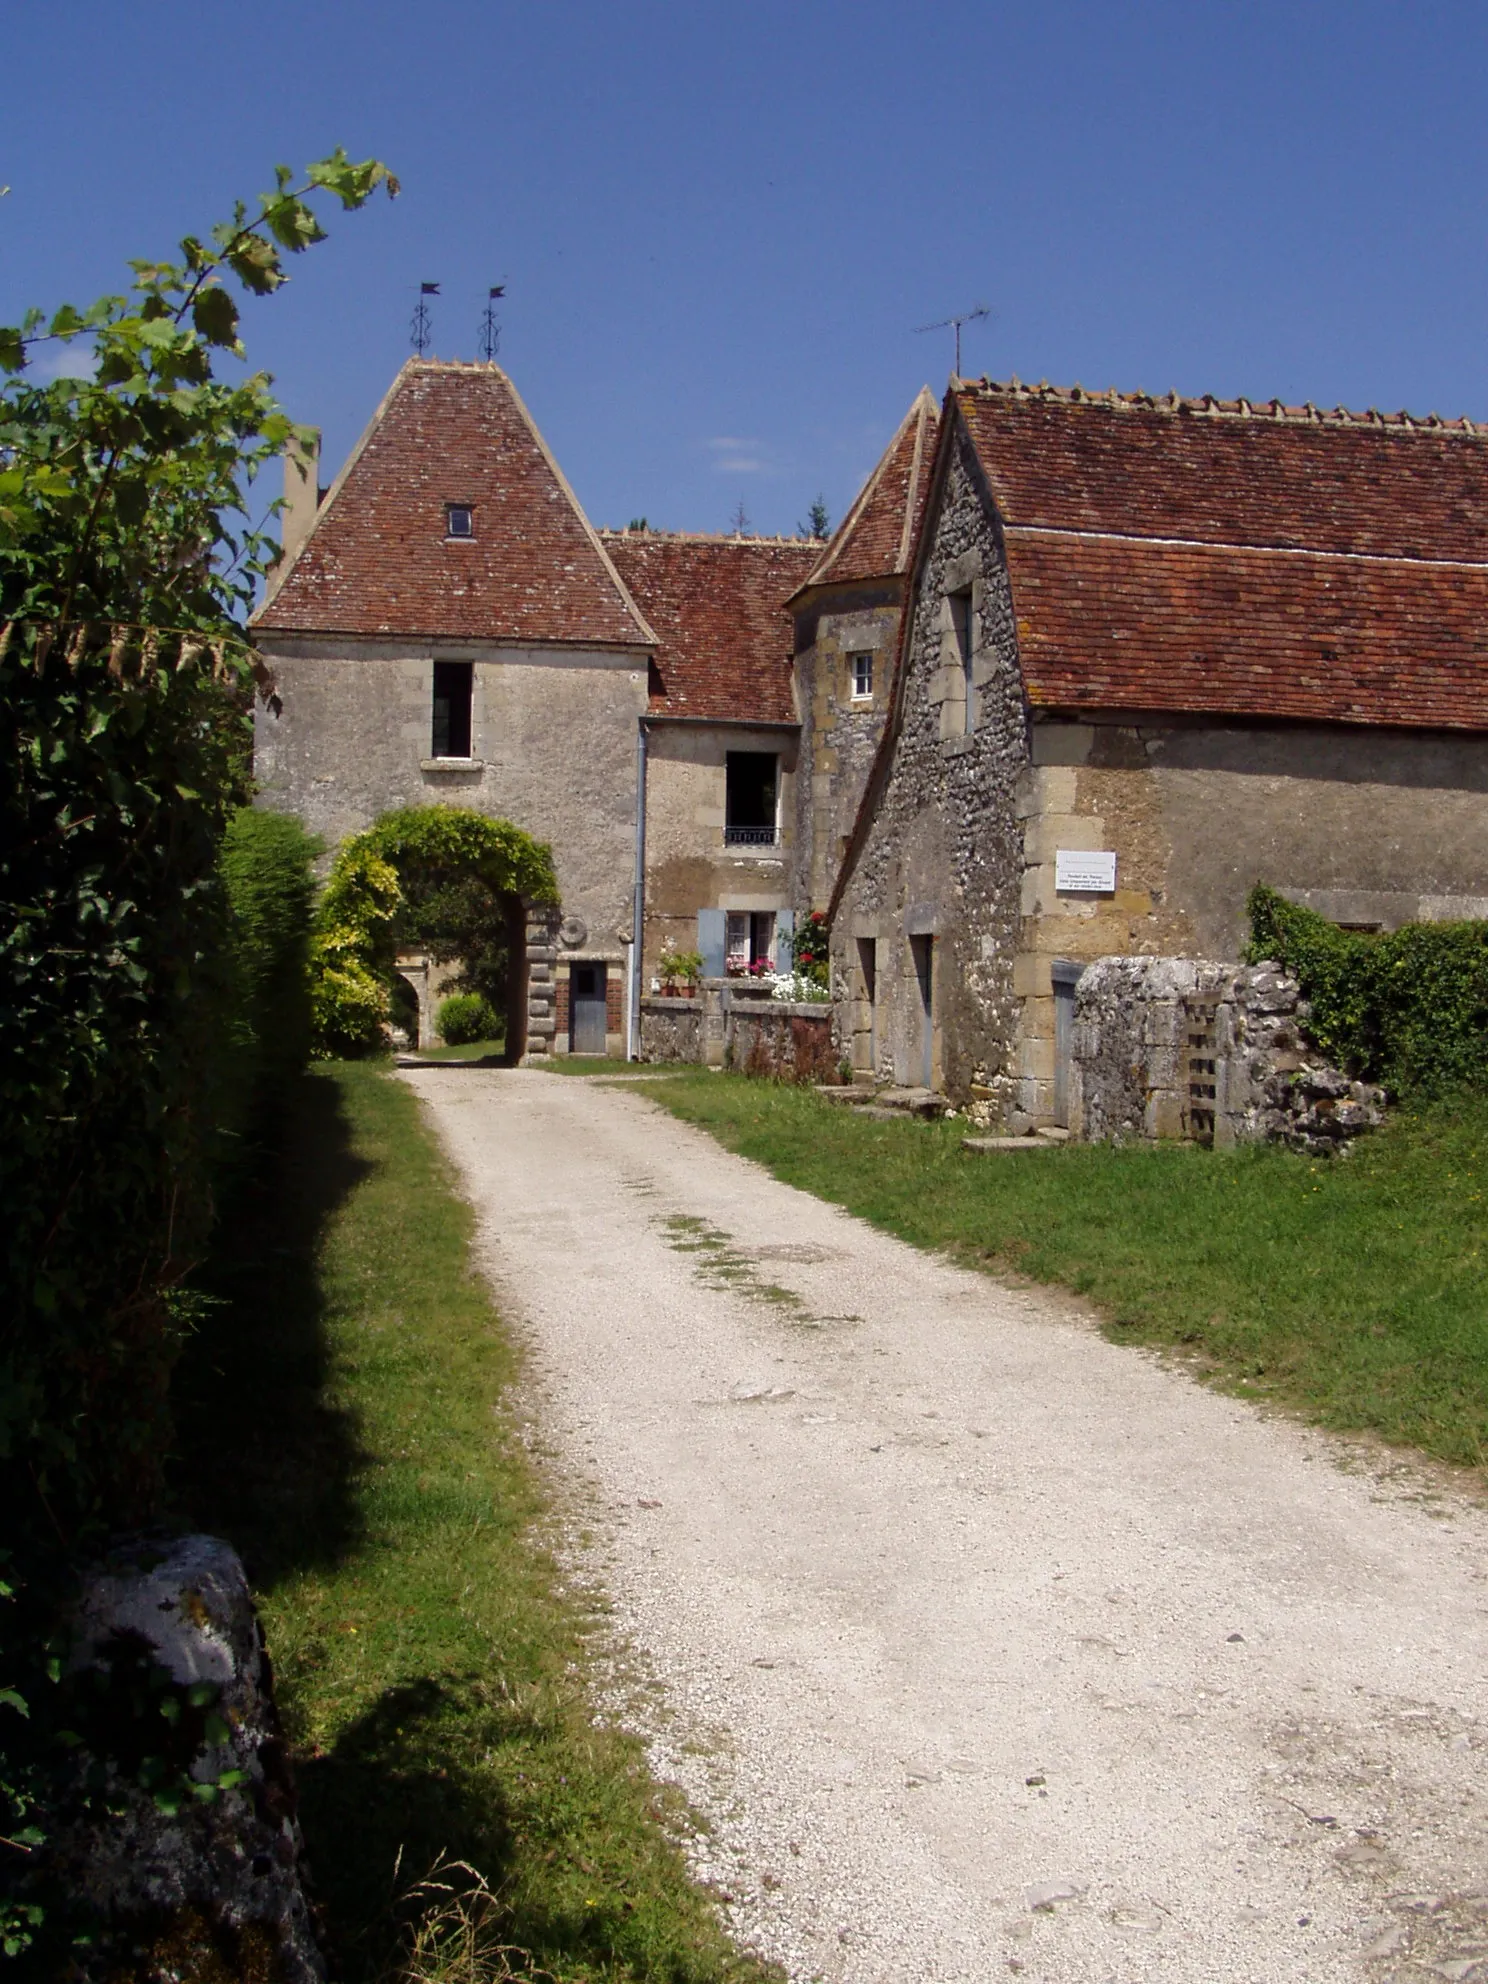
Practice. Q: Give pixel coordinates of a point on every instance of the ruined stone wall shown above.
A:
(943, 855)
(1214, 1053)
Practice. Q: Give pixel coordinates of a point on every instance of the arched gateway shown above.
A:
(467, 884)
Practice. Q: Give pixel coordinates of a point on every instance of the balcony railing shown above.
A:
(749, 837)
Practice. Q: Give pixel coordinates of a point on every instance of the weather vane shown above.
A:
(421, 332)
(490, 323)
(955, 323)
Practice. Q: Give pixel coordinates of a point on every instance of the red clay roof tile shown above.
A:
(379, 561)
(1211, 557)
(718, 607)
(1118, 623)
(875, 538)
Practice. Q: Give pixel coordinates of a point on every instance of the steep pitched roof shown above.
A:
(875, 538)
(379, 561)
(718, 607)
(1215, 557)
(1232, 472)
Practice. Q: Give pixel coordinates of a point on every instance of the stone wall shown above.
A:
(553, 749)
(726, 1027)
(942, 859)
(1205, 1051)
(688, 865)
(840, 733)
(671, 1029)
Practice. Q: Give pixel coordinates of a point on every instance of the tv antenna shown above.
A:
(954, 324)
(421, 331)
(490, 323)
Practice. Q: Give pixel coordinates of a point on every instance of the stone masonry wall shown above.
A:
(839, 734)
(1209, 1052)
(943, 855)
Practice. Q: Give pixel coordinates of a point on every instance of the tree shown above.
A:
(818, 522)
(739, 523)
(127, 557)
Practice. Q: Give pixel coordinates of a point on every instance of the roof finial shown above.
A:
(421, 331)
(490, 324)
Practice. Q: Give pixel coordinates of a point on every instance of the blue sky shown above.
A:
(720, 226)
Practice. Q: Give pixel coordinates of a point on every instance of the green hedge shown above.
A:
(1409, 1009)
(266, 868)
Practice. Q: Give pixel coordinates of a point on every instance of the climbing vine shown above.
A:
(1408, 1008)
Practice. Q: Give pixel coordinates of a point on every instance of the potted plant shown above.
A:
(679, 972)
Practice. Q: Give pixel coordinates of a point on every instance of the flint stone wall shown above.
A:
(1193, 1048)
(216, 1887)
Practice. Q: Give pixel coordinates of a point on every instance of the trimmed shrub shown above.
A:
(1409, 1009)
(266, 861)
(467, 1017)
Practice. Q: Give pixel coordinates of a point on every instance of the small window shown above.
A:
(749, 942)
(459, 520)
(749, 814)
(454, 687)
(862, 677)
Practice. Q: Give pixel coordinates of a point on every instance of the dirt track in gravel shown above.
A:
(988, 1647)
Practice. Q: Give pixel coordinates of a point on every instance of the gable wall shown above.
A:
(554, 729)
(839, 736)
(943, 854)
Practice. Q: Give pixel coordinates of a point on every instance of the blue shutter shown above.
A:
(785, 930)
(711, 939)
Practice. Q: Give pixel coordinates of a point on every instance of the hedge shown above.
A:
(1408, 1008)
(466, 1017)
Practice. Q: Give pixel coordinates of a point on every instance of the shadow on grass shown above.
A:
(263, 1457)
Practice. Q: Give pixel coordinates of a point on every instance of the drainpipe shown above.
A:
(638, 909)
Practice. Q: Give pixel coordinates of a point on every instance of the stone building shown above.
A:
(1156, 651)
(446, 625)
(846, 631)
(722, 739)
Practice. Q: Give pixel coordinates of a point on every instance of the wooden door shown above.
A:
(586, 1009)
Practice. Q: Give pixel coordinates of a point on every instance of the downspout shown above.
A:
(638, 908)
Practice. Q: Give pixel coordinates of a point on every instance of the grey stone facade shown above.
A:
(939, 870)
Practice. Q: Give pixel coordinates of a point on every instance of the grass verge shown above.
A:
(345, 1421)
(1351, 1290)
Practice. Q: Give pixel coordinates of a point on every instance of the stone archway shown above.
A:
(419, 852)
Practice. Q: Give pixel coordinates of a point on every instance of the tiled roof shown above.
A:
(718, 607)
(1215, 557)
(875, 538)
(378, 560)
(1122, 623)
(1229, 472)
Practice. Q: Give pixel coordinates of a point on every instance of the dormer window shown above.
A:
(459, 520)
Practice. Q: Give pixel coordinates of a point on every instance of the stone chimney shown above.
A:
(301, 493)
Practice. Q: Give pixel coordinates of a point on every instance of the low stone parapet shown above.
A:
(737, 1024)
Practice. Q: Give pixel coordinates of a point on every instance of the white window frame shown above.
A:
(861, 665)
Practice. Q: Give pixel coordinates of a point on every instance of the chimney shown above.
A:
(301, 493)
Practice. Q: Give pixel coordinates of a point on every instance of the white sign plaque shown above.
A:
(1084, 872)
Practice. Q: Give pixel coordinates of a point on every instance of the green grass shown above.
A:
(1350, 1290)
(345, 1419)
(599, 1064)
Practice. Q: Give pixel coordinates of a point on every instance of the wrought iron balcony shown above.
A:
(749, 837)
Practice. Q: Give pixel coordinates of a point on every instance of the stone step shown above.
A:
(912, 1101)
(850, 1094)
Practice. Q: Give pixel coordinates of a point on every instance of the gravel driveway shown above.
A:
(986, 1646)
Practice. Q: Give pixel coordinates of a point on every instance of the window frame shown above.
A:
(861, 660)
(736, 834)
(452, 729)
(453, 510)
(962, 604)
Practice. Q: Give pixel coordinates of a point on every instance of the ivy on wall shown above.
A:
(1408, 1008)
